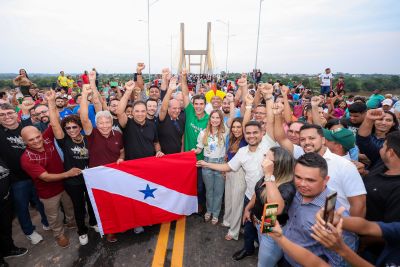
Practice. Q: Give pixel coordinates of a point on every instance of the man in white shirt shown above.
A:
(326, 81)
(344, 177)
(249, 158)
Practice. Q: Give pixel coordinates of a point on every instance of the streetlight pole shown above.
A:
(258, 33)
(148, 34)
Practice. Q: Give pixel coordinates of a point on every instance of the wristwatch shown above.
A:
(269, 178)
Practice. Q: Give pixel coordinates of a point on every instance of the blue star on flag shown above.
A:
(148, 192)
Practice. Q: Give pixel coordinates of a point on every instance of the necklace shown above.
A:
(77, 141)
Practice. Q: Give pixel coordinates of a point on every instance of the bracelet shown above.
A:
(267, 99)
(249, 107)
(269, 179)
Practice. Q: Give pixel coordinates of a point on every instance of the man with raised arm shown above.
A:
(344, 177)
(171, 124)
(105, 144)
(196, 121)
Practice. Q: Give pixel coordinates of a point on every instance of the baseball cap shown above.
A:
(342, 136)
(387, 102)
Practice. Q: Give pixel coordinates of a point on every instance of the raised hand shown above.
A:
(284, 90)
(184, 72)
(27, 105)
(249, 100)
(242, 82)
(330, 238)
(50, 96)
(140, 67)
(86, 89)
(166, 74)
(92, 76)
(277, 109)
(129, 86)
(266, 89)
(374, 114)
(315, 101)
(172, 84)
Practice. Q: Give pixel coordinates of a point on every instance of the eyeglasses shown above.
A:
(67, 128)
(8, 114)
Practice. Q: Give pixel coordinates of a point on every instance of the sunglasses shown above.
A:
(67, 128)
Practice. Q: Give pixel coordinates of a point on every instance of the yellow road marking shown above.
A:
(161, 247)
(179, 243)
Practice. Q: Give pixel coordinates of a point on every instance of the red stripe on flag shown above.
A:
(175, 171)
(118, 213)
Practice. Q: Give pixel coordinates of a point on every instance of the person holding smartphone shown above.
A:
(275, 187)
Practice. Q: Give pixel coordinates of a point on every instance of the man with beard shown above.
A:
(11, 149)
(63, 111)
(344, 177)
(226, 108)
(249, 158)
(113, 110)
(42, 113)
(152, 106)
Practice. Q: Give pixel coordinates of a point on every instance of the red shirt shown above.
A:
(104, 150)
(34, 163)
(85, 79)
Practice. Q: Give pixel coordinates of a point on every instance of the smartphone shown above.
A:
(329, 211)
(268, 221)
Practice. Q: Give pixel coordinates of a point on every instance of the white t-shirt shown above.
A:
(251, 163)
(343, 176)
(326, 79)
(215, 148)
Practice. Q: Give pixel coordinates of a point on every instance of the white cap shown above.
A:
(387, 102)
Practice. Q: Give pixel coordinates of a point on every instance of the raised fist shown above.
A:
(249, 100)
(375, 114)
(277, 109)
(266, 89)
(284, 90)
(50, 95)
(315, 101)
(140, 67)
(129, 86)
(86, 89)
(92, 76)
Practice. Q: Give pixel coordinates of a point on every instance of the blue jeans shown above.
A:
(325, 90)
(215, 186)
(201, 194)
(250, 232)
(23, 192)
(269, 252)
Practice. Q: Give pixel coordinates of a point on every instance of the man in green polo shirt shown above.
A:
(196, 121)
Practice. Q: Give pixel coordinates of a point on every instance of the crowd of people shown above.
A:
(255, 143)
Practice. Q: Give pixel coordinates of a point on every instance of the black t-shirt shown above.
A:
(383, 195)
(287, 191)
(75, 155)
(116, 126)
(139, 139)
(351, 126)
(170, 134)
(11, 148)
(5, 181)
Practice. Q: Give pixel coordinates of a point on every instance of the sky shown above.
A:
(46, 36)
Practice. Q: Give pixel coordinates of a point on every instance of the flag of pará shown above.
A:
(143, 191)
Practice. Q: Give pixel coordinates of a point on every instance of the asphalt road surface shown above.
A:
(187, 242)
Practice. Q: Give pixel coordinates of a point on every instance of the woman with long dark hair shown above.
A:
(235, 184)
(373, 131)
(76, 154)
(275, 187)
(22, 81)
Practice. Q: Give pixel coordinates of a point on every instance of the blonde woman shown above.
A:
(212, 141)
(275, 187)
